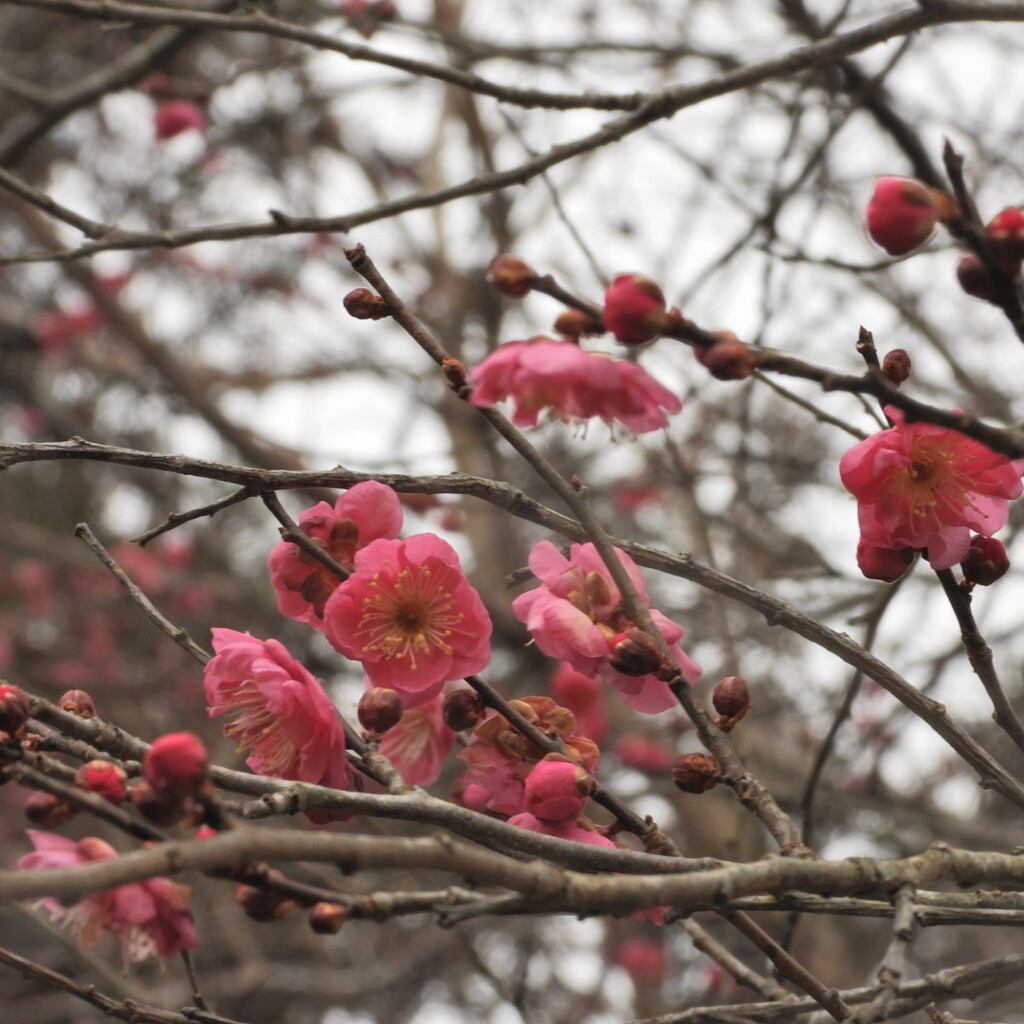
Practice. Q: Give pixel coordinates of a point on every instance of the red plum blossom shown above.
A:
(409, 614)
(419, 743)
(923, 486)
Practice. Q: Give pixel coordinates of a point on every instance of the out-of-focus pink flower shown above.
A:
(644, 959)
(634, 309)
(577, 610)
(584, 697)
(574, 830)
(56, 330)
(278, 711)
(409, 614)
(556, 790)
(571, 385)
(150, 918)
(177, 116)
(922, 486)
(366, 512)
(418, 745)
(644, 754)
(901, 214)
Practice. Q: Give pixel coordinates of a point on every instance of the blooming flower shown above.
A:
(279, 712)
(571, 384)
(410, 616)
(150, 918)
(924, 486)
(419, 743)
(584, 697)
(364, 513)
(576, 613)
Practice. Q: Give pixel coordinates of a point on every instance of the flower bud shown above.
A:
(14, 710)
(78, 702)
(975, 279)
(512, 276)
(327, 918)
(731, 699)
(634, 653)
(177, 765)
(727, 359)
(177, 116)
(901, 215)
(1005, 234)
(896, 366)
(364, 304)
(105, 779)
(47, 810)
(985, 562)
(634, 309)
(379, 710)
(556, 790)
(696, 773)
(885, 564)
(263, 905)
(462, 709)
(575, 323)
(163, 809)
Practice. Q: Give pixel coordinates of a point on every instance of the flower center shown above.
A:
(938, 483)
(255, 728)
(411, 613)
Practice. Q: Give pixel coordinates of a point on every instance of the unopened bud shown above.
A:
(727, 359)
(263, 905)
(78, 702)
(896, 366)
(731, 699)
(327, 918)
(454, 371)
(574, 323)
(696, 773)
(163, 809)
(177, 764)
(379, 710)
(14, 710)
(1005, 234)
(634, 653)
(901, 214)
(511, 275)
(105, 779)
(462, 709)
(634, 309)
(975, 279)
(47, 810)
(364, 304)
(985, 562)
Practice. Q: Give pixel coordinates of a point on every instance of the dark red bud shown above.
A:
(327, 918)
(1005, 234)
(105, 779)
(263, 905)
(78, 702)
(462, 709)
(379, 709)
(728, 359)
(575, 323)
(177, 764)
(14, 710)
(47, 810)
(696, 773)
(896, 366)
(975, 279)
(985, 562)
(163, 809)
(634, 653)
(731, 699)
(364, 304)
(511, 275)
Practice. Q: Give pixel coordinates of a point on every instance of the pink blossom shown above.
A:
(924, 486)
(419, 743)
(177, 116)
(644, 754)
(577, 610)
(409, 614)
(584, 697)
(556, 790)
(366, 512)
(644, 959)
(149, 918)
(279, 712)
(572, 385)
(574, 830)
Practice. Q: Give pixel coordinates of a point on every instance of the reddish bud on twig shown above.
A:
(511, 275)
(105, 779)
(896, 366)
(47, 810)
(14, 710)
(634, 309)
(728, 359)
(574, 323)
(364, 304)
(163, 809)
(975, 279)
(327, 918)
(454, 371)
(901, 215)
(696, 773)
(177, 765)
(462, 709)
(262, 905)
(985, 562)
(731, 699)
(1005, 234)
(78, 702)
(634, 653)
(379, 710)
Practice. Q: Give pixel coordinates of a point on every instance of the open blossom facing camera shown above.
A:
(924, 486)
(364, 513)
(409, 614)
(576, 614)
(571, 385)
(149, 918)
(277, 710)
(419, 743)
